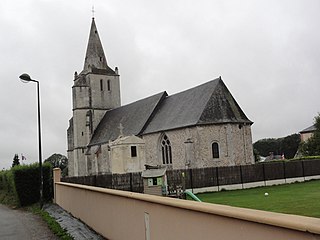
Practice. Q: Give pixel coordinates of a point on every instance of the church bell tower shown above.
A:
(95, 90)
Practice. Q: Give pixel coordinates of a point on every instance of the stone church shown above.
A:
(197, 128)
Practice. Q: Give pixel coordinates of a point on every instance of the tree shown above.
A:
(256, 155)
(59, 161)
(16, 160)
(278, 146)
(312, 146)
(290, 145)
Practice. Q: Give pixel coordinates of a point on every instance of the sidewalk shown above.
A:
(16, 224)
(77, 229)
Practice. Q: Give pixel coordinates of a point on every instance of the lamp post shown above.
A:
(25, 78)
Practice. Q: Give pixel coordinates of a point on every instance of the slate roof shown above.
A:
(309, 129)
(133, 118)
(209, 103)
(95, 57)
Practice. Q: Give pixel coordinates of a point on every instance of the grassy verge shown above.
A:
(52, 224)
(296, 198)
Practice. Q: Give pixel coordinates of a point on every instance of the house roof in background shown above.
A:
(309, 129)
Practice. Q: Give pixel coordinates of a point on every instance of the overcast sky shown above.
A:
(267, 52)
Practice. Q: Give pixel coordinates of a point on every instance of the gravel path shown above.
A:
(77, 229)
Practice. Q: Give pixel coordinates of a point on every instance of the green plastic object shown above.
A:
(194, 197)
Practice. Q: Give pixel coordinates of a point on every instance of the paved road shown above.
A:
(19, 224)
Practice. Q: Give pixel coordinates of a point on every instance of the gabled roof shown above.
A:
(209, 103)
(309, 129)
(133, 118)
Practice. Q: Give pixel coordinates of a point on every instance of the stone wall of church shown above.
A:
(81, 134)
(97, 116)
(80, 97)
(98, 160)
(195, 143)
(123, 162)
(103, 161)
(105, 91)
(70, 163)
(80, 164)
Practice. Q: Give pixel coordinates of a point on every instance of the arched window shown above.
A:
(215, 150)
(166, 150)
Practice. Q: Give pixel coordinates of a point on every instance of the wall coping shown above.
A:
(295, 222)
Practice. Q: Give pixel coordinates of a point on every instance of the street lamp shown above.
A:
(25, 78)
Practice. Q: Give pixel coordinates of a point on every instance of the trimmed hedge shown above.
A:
(23, 182)
(8, 193)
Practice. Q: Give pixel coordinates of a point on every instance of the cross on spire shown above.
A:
(121, 129)
(93, 11)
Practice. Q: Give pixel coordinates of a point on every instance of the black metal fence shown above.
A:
(207, 177)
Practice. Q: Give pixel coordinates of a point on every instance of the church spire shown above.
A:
(95, 57)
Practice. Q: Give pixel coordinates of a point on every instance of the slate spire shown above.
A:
(95, 57)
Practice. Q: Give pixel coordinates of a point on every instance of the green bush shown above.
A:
(8, 193)
(27, 183)
(21, 184)
(6, 182)
(2, 179)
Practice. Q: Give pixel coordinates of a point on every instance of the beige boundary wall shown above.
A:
(125, 215)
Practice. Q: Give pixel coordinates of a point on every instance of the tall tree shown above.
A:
(58, 161)
(290, 145)
(312, 146)
(16, 160)
(278, 146)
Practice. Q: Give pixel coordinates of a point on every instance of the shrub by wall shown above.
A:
(7, 188)
(26, 179)
(27, 183)
(23, 182)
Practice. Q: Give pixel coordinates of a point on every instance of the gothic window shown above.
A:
(101, 85)
(166, 150)
(133, 151)
(215, 150)
(108, 85)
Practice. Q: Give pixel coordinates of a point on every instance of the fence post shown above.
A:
(131, 187)
(304, 178)
(264, 175)
(56, 178)
(217, 173)
(241, 179)
(191, 180)
(284, 172)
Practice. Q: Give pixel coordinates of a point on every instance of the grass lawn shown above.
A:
(296, 198)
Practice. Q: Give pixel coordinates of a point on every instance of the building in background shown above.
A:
(307, 133)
